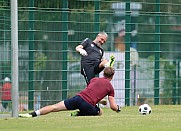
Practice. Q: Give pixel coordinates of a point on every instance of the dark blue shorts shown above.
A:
(84, 107)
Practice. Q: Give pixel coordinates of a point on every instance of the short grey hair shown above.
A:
(103, 33)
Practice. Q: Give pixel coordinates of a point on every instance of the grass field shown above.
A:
(162, 118)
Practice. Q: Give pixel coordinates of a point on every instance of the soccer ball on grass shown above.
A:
(145, 109)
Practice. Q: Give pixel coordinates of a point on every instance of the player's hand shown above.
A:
(82, 52)
(119, 109)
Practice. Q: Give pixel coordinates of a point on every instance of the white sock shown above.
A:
(37, 113)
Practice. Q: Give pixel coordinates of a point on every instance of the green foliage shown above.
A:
(39, 66)
(168, 84)
(168, 72)
(6, 69)
(40, 61)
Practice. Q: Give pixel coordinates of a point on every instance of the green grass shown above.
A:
(162, 118)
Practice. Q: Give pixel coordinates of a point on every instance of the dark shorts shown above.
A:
(90, 72)
(5, 103)
(84, 107)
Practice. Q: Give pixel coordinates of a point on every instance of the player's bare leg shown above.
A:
(53, 108)
(45, 110)
(106, 63)
(103, 63)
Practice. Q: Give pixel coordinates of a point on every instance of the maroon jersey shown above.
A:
(97, 90)
(6, 91)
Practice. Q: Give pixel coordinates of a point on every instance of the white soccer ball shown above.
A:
(145, 109)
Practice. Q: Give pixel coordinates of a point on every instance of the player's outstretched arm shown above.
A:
(80, 49)
(113, 105)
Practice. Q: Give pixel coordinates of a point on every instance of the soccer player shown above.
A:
(6, 93)
(92, 61)
(85, 100)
